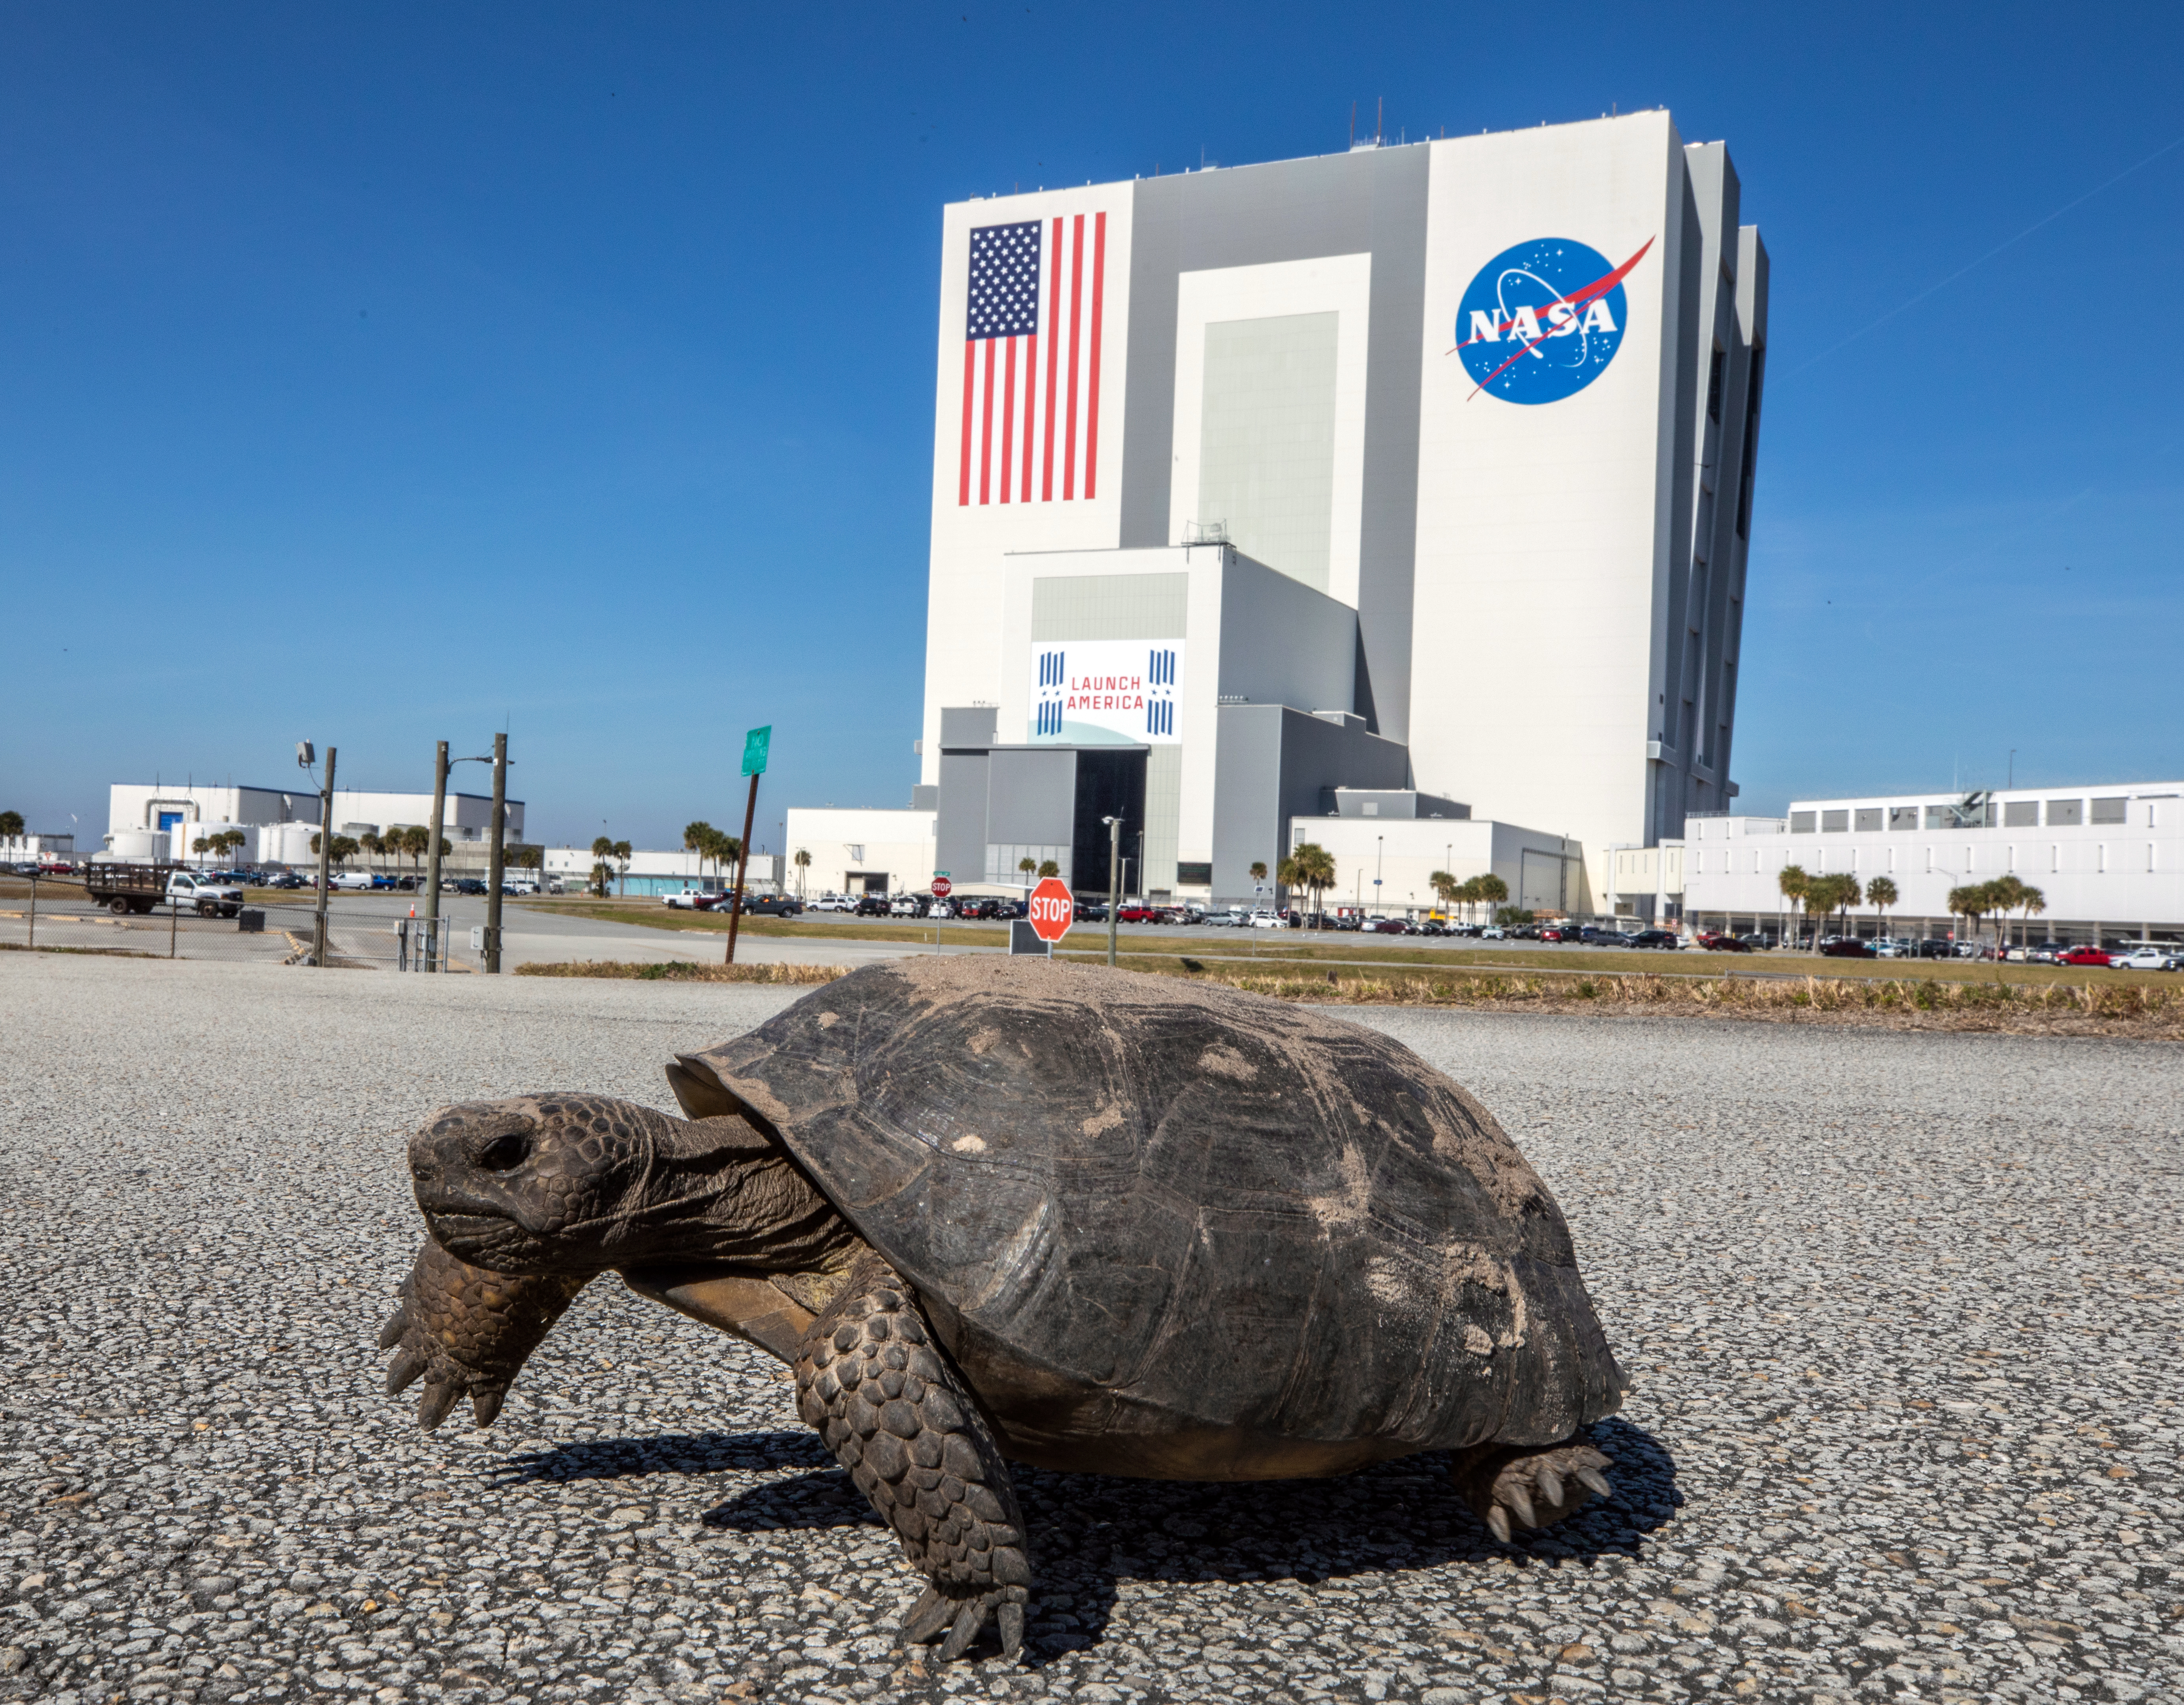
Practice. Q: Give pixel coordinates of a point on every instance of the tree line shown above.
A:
(1824, 896)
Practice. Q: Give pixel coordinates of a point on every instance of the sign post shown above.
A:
(1052, 910)
(756, 744)
(942, 887)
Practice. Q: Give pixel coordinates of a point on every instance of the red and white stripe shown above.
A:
(1031, 405)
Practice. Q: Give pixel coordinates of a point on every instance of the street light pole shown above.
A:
(1114, 880)
(493, 866)
(432, 953)
(326, 859)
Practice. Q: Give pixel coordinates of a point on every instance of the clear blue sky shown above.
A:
(374, 375)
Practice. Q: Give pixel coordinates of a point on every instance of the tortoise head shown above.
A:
(578, 1184)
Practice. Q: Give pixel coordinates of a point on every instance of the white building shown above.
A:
(163, 820)
(2108, 860)
(1441, 405)
(861, 850)
(663, 872)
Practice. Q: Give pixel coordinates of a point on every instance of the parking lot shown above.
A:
(1899, 1313)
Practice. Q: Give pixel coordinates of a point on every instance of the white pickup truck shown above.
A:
(122, 888)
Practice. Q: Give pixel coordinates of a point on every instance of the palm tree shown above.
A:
(1445, 889)
(2007, 893)
(1026, 866)
(371, 844)
(1491, 890)
(1880, 894)
(602, 851)
(1314, 867)
(1791, 882)
(11, 825)
(1969, 902)
(622, 855)
(803, 863)
(1048, 868)
(699, 837)
(416, 841)
(2030, 901)
(1258, 872)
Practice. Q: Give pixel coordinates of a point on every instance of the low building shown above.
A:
(24, 849)
(1645, 884)
(1387, 844)
(2108, 860)
(863, 850)
(663, 872)
(160, 819)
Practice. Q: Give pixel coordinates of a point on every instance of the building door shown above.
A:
(1539, 885)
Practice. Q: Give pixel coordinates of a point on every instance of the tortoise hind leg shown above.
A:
(468, 1331)
(881, 1393)
(1535, 1486)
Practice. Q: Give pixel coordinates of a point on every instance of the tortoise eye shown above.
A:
(508, 1150)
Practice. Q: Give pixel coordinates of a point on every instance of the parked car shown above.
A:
(1492, 932)
(1724, 944)
(1138, 913)
(875, 906)
(1847, 948)
(1274, 920)
(689, 900)
(764, 905)
(1092, 911)
(1567, 932)
(1655, 938)
(834, 903)
(2148, 956)
(906, 906)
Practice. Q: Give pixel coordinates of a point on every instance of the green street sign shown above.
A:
(755, 749)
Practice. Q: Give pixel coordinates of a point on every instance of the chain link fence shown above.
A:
(275, 926)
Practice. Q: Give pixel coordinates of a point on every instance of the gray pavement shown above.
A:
(1900, 1313)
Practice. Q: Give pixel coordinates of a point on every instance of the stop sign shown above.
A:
(942, 887)
(1052, 910)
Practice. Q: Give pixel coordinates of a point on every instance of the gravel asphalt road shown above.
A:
(1900, 1313)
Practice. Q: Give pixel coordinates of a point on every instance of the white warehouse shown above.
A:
(2108, 859)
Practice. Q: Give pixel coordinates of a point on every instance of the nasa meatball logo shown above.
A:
(1542, 320)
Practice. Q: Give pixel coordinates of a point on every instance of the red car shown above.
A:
(1724, 944)
(2083, 956)
(1140, 914)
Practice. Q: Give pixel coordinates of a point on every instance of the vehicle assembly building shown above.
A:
(1262, 496)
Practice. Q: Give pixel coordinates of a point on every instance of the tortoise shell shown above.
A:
(1175, 1230)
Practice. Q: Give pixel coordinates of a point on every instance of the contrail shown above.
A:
(2028, 231)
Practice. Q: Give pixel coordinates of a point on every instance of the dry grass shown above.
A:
(2112, 1010)
(2151, 1011)
(682, 971)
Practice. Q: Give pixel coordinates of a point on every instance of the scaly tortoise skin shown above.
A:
(995, 1210)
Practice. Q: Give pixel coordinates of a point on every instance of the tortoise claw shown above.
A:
(403, 1369)
(1011, 1621)
(927, 1617)
(1596, 1481)
(968, 1621)
(1498, 1520)
(1550, 1484)
(485, 1404)
(432, 1408)
(398, 1325)
(1520, 1503)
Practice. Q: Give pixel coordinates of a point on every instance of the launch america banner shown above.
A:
(1087, 692)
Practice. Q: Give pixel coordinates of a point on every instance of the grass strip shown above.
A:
(2110, 1009)
(682, 971)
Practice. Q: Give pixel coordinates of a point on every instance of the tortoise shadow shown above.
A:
(678, 1453)
(1090, 1531)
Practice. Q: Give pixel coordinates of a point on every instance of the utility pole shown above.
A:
(493, 859)
(758, 743)
(1114, 880)
(743, 865)
(326, 859)
(432, 955)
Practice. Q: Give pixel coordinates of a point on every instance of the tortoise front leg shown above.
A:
(870, 1378)
(1539, 1485)
(468, 1331)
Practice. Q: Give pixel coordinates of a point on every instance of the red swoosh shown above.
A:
(1599, 287)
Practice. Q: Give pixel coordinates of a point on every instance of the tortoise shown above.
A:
(996, 1210)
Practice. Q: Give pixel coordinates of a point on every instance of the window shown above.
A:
(1868, 818)
(2063, 814)
(2110, 810)
(1892, 861)
(1930, 861)
(1903, 817)
(2021, 813)
(1801, 822)
(1713, 385)
(1834, 822)
(1751, 443)
(2054, 859)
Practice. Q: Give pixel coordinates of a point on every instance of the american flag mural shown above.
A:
(1031, 362)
